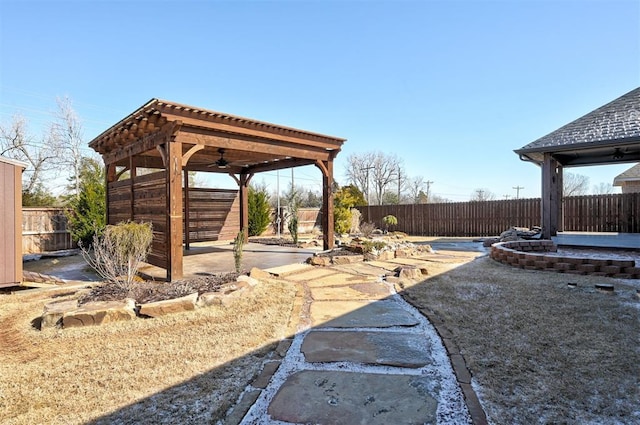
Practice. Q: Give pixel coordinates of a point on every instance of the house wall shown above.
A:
(631, 187)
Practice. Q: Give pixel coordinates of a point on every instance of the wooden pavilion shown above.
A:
(607, 135)
(173, 139)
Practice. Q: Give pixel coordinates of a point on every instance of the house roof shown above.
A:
(632, 174)
(13, 162)
(609, 134)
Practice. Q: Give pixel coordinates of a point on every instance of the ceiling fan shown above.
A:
(222, 163)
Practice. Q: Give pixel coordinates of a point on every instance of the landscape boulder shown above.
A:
(99, 312)
(176, 305)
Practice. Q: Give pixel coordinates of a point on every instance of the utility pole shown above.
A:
(367, 190)
(518, 188)
(399, 184)
(428, 183)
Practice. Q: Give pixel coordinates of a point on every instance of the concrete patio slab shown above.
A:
(351, 314)
(401, 349)
(327, 397)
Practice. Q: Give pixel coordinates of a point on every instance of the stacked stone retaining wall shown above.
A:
(535, 255)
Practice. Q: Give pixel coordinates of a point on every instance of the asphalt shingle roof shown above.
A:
(616, 121)
(632, 173)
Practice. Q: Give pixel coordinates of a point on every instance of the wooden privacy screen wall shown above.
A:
(209, 214)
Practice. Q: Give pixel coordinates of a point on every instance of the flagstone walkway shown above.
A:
(360, 355)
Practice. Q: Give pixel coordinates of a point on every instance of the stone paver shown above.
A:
(361, 355)
(313, 273)
(363, 314)
(358, 291)
(328, 397)
(402, 349)
(333, 280)
(288, 269)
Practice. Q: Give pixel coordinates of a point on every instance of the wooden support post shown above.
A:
(174, 210)
(186, 210)
(110, 176)
(243, 182)
(132, 194)
(551, 196)
(328, 237)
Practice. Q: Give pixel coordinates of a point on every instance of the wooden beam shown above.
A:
(187, 155)
(146, 143)
(280, 165)
(274, 148)
(235, 129)
(174, 210)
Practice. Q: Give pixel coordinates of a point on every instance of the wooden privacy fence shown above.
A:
(45, 229)
(598, 213)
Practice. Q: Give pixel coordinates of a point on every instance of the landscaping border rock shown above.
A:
(67, 313)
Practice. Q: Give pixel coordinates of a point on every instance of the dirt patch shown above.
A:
(541, 351)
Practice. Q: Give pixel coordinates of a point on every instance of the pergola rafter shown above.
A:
(178, 138)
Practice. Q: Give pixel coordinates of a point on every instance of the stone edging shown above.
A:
(68, 314)
(533, 255)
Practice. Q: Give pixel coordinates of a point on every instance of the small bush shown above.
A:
(259, 210)
(368, 246)
(117, 254)
(293, 228)
(367, 228)
(238, 246)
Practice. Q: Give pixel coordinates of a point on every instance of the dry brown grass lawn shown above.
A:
(187, 367)
(539, 351)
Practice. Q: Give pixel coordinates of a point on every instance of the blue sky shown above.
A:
(451, 87)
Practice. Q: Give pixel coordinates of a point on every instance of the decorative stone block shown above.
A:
(162, 308)
(610, 270)
(53, 312)
(100, 312)
(318, 260)
(260, 274)
(347, 259)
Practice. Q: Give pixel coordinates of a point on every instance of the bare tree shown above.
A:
(603, 189)
(16, 142)
(415, 188)
(482, 195)
(374, 172)
(359, 170)
(67, 131)
(574, 184)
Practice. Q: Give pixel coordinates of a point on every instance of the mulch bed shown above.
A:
(148, 291)
(274, 241)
